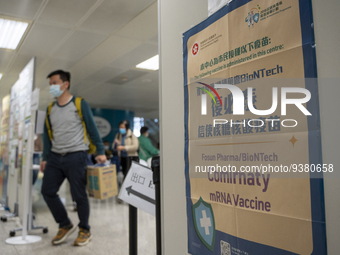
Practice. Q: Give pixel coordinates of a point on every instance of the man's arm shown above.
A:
(92, 130)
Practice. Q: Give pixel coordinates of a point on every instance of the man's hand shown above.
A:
(42, 166)
(101, 159)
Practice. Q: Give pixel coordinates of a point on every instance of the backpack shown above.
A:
(87, 139)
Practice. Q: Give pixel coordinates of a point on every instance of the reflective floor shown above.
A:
(109, 227)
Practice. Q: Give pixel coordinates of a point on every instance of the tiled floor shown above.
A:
(109, 226)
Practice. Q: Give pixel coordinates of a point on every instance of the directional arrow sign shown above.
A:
(138, 188)
(140, 195)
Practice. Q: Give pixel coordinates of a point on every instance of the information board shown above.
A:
(252, 151)
(138, 188)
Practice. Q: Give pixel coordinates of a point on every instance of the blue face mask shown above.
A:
(55, 90)
(122, 131)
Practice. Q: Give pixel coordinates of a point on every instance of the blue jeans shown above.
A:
(71, 166)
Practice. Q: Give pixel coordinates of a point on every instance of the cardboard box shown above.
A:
(102, 181)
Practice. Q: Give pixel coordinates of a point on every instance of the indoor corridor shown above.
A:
(109, 226)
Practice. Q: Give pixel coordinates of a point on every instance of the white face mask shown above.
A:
(55, 90)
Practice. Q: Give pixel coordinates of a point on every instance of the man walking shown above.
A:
(69, 130)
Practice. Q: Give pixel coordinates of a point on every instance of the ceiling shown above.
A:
(98, 41)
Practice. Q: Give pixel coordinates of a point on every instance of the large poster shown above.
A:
(20, 118)
(252, 149)
(19, 135)
(4, 125)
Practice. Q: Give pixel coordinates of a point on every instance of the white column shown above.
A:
(175, 17)
(327, 35)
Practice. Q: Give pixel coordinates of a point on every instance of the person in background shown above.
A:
(146, 149)
(108, 151)
(65, 155)
(126, 143)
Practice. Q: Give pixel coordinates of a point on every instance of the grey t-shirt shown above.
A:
(68, 132)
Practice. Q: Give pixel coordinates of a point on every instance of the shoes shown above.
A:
(84, 237)
(63, 233)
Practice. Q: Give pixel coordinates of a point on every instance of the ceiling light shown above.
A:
(0, 76)
(150, 64)
(11, 33)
